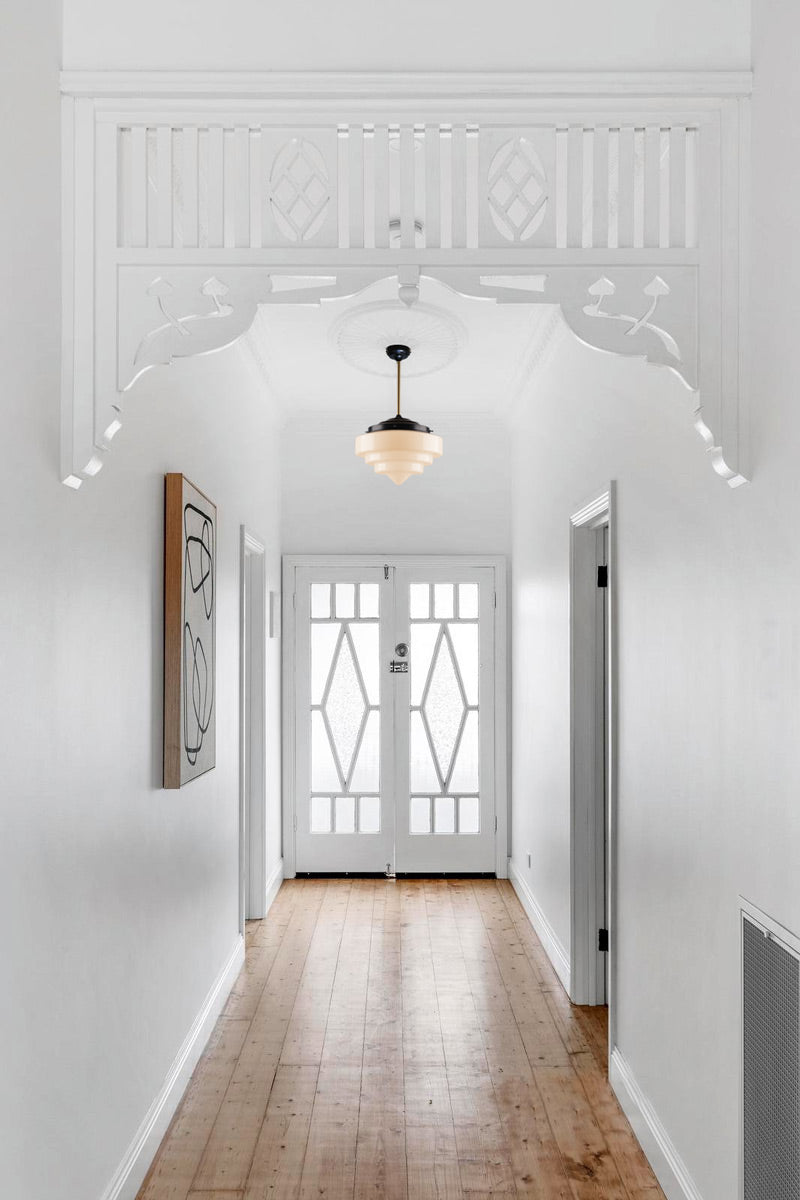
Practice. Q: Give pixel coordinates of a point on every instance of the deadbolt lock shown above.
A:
(401, 649)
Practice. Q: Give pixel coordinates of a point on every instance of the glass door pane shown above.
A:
(445, 761)
(345, 818)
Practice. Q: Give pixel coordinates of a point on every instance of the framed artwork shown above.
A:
(190, 603)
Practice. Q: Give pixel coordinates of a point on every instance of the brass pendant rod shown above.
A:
(398, 387)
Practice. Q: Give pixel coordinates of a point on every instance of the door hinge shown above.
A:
(385, 570)
(495, 599)
(294, 822)
(602, 576)
(602, 939)
(495, 824)
(294, 599)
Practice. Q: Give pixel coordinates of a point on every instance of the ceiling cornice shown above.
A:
(480, 86)
(536, 358)
(251, 348)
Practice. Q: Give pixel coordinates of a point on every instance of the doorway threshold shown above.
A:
(341, 875)
(445, 875)
(396, 875)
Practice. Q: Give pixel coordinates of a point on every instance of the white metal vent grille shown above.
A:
(771, 1031)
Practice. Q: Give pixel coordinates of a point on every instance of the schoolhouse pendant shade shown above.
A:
(398, 447)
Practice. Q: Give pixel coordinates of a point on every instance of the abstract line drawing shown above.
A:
(198, 584)
(189, 632)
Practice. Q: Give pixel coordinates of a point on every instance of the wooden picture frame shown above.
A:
(190, 610)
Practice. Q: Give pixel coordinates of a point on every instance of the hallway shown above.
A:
(400, 1039)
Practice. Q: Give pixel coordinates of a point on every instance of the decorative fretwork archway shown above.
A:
(191, 200)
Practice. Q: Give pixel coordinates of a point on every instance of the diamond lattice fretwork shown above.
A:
(517, 186)
(299, 190)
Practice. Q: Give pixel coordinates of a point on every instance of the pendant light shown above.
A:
(398, 447)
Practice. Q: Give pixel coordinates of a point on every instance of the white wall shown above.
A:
(119, 899)
(511, 35)
(333, 503)
(709, 663)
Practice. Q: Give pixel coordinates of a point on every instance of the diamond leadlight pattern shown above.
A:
(345, 709)
(344, 706)
(444, 743)
(443, 705)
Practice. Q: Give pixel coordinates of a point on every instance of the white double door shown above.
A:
(394, 723)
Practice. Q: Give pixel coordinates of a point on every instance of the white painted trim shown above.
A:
(585, 919)
(668, 1166)
(337, 85)
(252, 702)
(551, 943)
(107, 310)
(274, 881)
(129, 1175)
(502, 704)
(594, 512)
(778, 932)
(396, 560)
(287, 717)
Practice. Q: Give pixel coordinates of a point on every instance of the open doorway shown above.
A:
(252, 731)
(592, 741)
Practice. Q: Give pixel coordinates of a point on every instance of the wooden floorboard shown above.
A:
(400, 1040)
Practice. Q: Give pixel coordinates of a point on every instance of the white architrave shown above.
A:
(253, 901)
(190, 200)
(591, 795)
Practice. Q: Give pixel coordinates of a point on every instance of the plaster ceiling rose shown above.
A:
(362, 334)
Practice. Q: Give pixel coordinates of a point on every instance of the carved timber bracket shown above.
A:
(184, 212)
(186, 311)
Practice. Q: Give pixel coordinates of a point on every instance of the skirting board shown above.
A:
(668, 1166)
(544, 930)
(274, 884)
(131, 1172)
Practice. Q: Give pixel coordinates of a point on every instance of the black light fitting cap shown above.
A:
(398, 353)
(399, 423)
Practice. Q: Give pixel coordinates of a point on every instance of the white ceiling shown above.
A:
(498, 345)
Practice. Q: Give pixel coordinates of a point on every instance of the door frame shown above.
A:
(291, 563)
(252, 728)
(586, 775)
